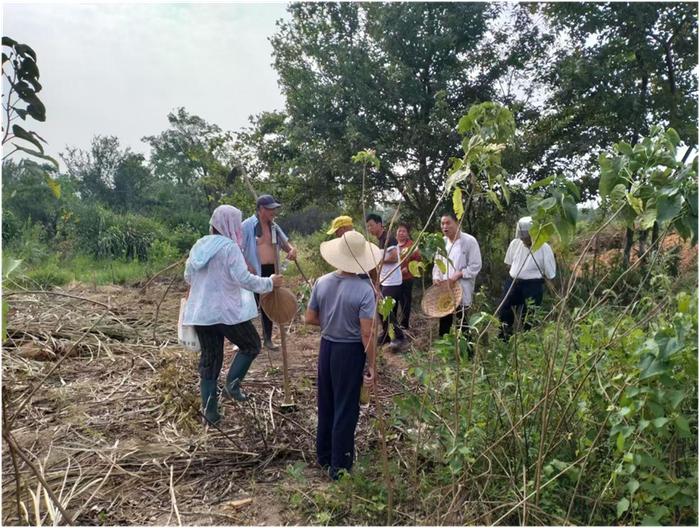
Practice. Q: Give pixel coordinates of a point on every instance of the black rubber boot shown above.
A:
(236, 372)
(210, 403)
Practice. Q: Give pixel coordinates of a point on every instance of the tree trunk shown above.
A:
(629, 240)
(642, 239)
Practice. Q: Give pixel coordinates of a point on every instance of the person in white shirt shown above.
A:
(528, 271)
(389, 278)
(463, 265)
(220, 304)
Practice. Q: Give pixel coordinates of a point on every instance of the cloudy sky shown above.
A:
(119, 69)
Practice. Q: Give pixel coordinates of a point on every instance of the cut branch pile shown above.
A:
(102, 420)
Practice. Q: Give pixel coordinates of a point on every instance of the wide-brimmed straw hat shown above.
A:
(351, 253)
(440, 299)
(280, 305)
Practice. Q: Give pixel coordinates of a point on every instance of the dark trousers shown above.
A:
(395, 292)
(405, 301)
(340, 368)
(266, 270)
(515, 304)
(446, 321)
(211, 339)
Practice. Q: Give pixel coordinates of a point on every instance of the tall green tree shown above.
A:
(93, 171)
(26, 195)
(194, 155)
(616, 68)
(395, 77)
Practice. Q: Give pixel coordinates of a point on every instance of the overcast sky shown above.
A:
(119, 69)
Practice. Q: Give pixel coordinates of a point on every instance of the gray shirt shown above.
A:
(341, 301)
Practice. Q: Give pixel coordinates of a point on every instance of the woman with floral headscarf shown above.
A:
(221, 305)
(528, 270)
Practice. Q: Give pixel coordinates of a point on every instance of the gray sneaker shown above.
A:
(271, 346)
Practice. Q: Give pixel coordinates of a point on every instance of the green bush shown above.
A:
(309, 255)
(49, 275)
(10, 226)
(105, 234)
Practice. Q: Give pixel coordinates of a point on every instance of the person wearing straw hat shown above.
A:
(527, 274)
(340, 225)
(389, 278)
(344, 306)
(220, 305)
(259, 251)
(462, 265)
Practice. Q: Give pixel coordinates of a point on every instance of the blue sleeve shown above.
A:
(313, 301)
(368, 305)
(247, 233)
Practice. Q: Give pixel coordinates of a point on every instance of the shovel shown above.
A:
(288, 404)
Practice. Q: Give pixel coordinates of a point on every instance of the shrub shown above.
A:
(48, 275)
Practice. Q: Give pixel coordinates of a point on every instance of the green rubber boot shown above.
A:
(210, 403)
(236, 372)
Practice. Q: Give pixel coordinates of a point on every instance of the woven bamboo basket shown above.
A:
(440, 299)
(280, 305)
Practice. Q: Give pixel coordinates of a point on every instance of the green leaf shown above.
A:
(541, 234)
(622, 506)
(646, 221)
(624, 148)
(19, 132)
(456, 177)
(659, 422)
(415, 268)
(457, 204)
(632, 486)
(682, 425)
(9, 265)
(570, 211)
(608, 176)
(9, 42)
(37, 154)
(673, 136)
(541, 183)
(385, 306)
(620, 442)
(494, 199)
(635, 202)
(618, 192)
(668, 207)
(547, 203)
(441, 266)
(655, 368)
(676, 397)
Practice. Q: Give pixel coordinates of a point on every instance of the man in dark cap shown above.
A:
(259, 250)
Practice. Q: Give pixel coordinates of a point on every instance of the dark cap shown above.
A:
(267, 201)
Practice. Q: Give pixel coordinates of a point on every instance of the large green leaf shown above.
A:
(622, 506)
(668, 207)
(457, 203)
(541, 233)
(541, 183)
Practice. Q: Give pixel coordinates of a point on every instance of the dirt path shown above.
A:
(114, 429)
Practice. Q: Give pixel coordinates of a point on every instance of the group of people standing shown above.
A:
(228, 269)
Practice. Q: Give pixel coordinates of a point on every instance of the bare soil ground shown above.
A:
(103, 403)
